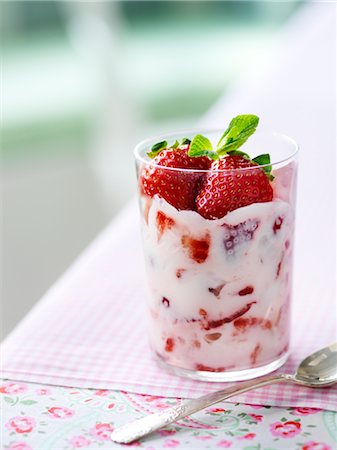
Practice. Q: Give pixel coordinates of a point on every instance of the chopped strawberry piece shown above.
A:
(179, 188)
(266, 324)
(237, 234)
(179, 272)
(279, 266)
(277, 224)
(166, 302)
(242, 323)
(216, 291)
(211, 337)
(209, 369)
(255, 353)
(202, 312)
(197, 248)
(284, 349)
(246, 291)
(169, 345)
(217, 323)
(233, 182)
(163, 223)
(196, 343)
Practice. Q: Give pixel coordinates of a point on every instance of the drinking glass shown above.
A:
(220, 290)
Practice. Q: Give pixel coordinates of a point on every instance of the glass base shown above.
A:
(230, 375)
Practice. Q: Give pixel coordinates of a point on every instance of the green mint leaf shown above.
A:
(175, 145)
(239, 130)
(261, 160)
(210, 153)
(156, 148)
(238, 153)
(201, 146)
(28, 402)
(185, 141)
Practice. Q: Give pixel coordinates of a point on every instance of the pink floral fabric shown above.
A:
(21, 424)
(45, 417)
(13, 388)
(102, 431)
(19, 446)
(60, 412)
(79, 441)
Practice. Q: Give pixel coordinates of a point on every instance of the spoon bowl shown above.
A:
(319, 369)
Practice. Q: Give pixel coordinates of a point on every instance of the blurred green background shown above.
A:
(82, 83)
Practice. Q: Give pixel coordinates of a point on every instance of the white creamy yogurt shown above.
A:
(220, 289)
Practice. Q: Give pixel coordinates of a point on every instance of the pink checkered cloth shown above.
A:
(88, 331)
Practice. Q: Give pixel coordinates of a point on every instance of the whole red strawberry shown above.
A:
(223, 192)
(177, 187)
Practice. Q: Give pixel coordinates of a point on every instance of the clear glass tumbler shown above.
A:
(220, 290)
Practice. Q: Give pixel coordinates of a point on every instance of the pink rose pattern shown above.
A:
(286, 429)
(60, 412)
(312, 445)
(171, 443)
(19, 446)
(12, 388)
(305, 411)
(21, 424)
(79, 441)
(102, 431)
(42, 391)
(36, 412)
(224, 444)
(247, 436)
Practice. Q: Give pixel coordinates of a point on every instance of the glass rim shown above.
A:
(194, 131)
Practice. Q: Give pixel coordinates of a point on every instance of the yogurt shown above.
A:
(220, 289)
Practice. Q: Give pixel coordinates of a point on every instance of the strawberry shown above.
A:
(223, 192)
(177, 187)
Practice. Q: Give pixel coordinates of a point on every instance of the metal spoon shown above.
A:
(317, 370)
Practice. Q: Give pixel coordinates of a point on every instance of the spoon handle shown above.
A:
(141, 427)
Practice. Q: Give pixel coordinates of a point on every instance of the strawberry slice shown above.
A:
(223, 192)
(177, 187)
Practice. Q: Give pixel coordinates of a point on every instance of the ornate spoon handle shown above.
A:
(141, 427)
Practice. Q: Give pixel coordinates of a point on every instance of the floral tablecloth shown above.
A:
(42, 417)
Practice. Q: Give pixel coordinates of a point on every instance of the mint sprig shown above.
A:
(156, 148)
(201, 146)
(185, 141)
(238, 153)
(159, 146)
(238, 131)
(263, 160)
